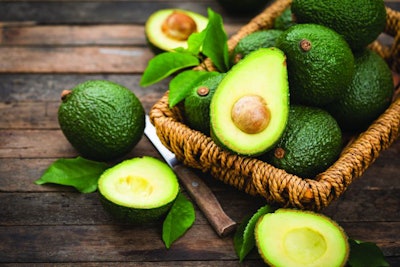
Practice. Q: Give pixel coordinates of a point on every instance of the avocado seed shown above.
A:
(251, 114)
(179, 26)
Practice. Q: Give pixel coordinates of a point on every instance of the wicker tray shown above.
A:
(258, 178)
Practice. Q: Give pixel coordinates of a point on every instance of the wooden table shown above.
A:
(48, 46)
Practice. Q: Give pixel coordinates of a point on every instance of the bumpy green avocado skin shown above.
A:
(197, 103)
(359, 22)
(320, 63)
(254, 41)
(367, 96)
(311, 142)
(102, 119)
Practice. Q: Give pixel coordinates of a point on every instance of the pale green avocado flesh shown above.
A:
(249, 109)
(138, 190)
(290, 237)
(157, 37)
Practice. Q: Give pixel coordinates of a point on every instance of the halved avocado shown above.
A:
(167, 29)
(138, 190)
(290, 237)
(249, 109)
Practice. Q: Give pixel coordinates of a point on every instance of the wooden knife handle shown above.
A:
(205, 200)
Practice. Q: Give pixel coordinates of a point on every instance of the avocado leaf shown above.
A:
(365, 254)
(179, 219)
(215, 44)
(165, 64)
(181, 84)
(244, 239)
(79, 173)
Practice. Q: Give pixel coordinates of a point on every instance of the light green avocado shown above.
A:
(249, 109)
(138, 190)
(294, 238)
(167, 29)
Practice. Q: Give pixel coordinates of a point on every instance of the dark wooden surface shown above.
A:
(48, 46)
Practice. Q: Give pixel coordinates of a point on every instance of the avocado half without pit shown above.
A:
(294, 238)
(249, 110)
(167, 29)
(138, 190)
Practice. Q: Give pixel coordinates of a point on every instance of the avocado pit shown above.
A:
(179, 26)
(251, 114)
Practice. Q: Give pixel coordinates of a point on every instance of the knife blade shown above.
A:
(195, 186)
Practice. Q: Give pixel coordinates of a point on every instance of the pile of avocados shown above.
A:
(292, 92)
(294, 89)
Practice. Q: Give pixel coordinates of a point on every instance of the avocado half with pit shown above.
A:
(138, 190)
(294, 238)
(250, 107)
(167, 29)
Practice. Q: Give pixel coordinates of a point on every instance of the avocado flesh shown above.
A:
(138, 190)
(162, 42)
(268, 83)
(290, 237)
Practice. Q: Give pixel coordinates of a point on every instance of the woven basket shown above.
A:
(258, 178)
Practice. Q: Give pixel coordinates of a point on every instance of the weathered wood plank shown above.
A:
(47, 144)
(63, 243)
(101, 12)
(48, 87)
(82, 243)
(23, 34)
(99, 59)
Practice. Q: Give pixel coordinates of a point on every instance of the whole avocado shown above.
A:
(367, 96)
(320, 63)
(101, 119)
(312, 141)
(358, 21)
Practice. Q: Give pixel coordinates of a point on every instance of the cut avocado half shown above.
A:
(138, 190)
(167, 29)
(249, 110)
(290, 237)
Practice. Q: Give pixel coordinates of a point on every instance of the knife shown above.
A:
(195, 186)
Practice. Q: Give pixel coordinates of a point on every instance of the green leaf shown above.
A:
(195, 42)
(365, 254)
(244, 240)
(163, 65)
(80, 173)
(181, 85)
(215, 44)
(178, 220)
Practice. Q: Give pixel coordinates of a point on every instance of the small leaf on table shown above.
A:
(178, 220)
(244, 239)
(365, 254)
(80, 173)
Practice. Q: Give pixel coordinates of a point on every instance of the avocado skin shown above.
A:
(254, 41)
(359, 22)
(311, 142)
(285, 20)
(197, 108)
(134, 216)
(367, 96)
(101, 119)
(320, 75)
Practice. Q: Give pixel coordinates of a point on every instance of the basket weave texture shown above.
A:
(258, 178)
